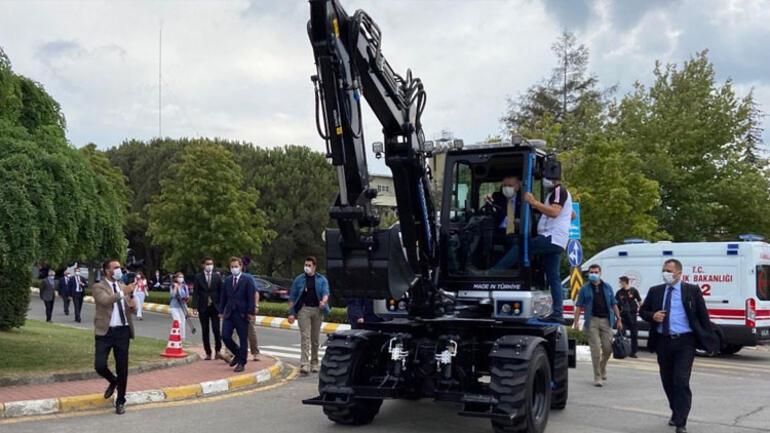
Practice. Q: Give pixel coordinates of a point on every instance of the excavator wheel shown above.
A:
(522, 389)
(560, 377)
(341, 368)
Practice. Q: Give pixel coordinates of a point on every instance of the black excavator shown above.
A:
(460, 329)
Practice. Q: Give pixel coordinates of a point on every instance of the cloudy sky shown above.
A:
(240, 69)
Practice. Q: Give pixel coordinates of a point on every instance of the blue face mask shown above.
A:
(593, 277)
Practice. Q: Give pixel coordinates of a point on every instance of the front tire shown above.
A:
(341, 368)
(522, 389)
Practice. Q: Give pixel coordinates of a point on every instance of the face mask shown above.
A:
(509, 191)
(307, 270)
(180, 280)
(117, 274)
(593, 277)
(50, 277)
(548, 184)
(235, 271)
(209, 268)
(668, 277)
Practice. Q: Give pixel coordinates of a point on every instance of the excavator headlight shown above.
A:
(378, 147)
(458, 144)
(428, 146)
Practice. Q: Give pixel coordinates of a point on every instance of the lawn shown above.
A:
(39, 348)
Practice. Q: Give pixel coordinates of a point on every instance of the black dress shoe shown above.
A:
(208, 357)
(234, 362)
(120, 409)
(110, 390)
(671, 423)
(682, 429)
(239, 368)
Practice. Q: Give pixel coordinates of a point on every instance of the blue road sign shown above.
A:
(574, 227)
(574, 252)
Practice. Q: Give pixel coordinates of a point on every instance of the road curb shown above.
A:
(17, 409)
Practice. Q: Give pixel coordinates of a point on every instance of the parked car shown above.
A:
(269, 291)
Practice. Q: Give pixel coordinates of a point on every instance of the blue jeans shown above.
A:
(550, 255)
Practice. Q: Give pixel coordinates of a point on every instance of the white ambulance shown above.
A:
(733, 276)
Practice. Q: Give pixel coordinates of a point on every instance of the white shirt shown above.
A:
(115, 319)
(557, 228)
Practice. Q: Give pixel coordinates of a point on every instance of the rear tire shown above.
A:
(730, 349)
(560, 380)
(342, 368)
(522, 388)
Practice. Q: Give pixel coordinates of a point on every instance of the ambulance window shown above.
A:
(763, 282)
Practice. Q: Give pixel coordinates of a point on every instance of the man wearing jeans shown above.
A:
(598, 301)
(309, 298)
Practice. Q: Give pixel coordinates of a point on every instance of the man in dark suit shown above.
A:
(506, 202)
(66, 284)
(77, 290)
(48, 294)
(679, 323)
(208, 288)
(237, 303)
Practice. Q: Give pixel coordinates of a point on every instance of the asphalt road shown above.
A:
(730, 395)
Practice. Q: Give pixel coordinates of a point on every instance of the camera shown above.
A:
(130, 277)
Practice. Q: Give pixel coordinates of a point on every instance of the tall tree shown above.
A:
(567, 107)
(53, 204)
(204, 210)
(296, 186)
(616, 199)
(698, 139)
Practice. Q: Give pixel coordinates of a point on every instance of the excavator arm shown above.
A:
(363, 261)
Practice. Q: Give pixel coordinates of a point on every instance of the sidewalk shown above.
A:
(199, 378)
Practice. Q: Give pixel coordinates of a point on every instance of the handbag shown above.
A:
(621, 346)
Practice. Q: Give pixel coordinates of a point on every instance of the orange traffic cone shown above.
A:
(174, 346)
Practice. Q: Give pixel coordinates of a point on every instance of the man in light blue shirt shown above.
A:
(677, 316)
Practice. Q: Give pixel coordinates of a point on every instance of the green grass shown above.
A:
(40, 348)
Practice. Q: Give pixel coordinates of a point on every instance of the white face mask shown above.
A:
(235, 271)
(50, 277)
(209, 268)
(548, 184)
(509, 191)
(668, 277)
(117, 274)
(308, 270)
(180, 280)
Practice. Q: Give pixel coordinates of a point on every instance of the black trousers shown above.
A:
(77, 301)
(117, 339)
(207, 316)
(48, 309)
(240, 325)
(630, 325)
(66, 300)
(675, 358)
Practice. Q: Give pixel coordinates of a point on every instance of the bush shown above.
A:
(14, 297)
(580, 337)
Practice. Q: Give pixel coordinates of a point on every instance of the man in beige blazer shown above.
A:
(114, 329)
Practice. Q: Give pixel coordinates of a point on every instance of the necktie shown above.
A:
(235, 283)
(120, 305)
(667, 308)
(208, 280)
(510, 215)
